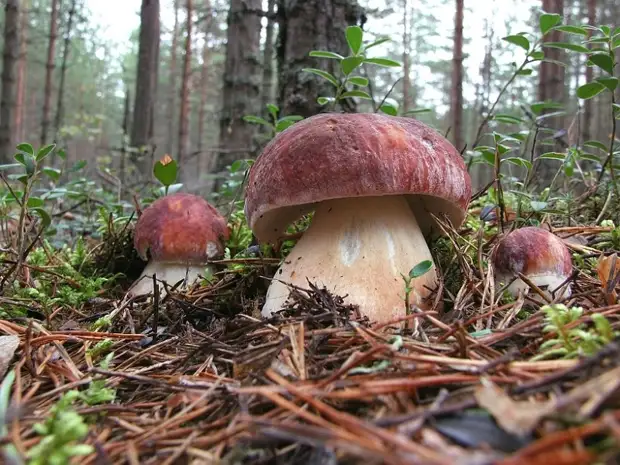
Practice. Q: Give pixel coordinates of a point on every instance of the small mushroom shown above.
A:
(372, 181)
(178, 234)
(541, 256)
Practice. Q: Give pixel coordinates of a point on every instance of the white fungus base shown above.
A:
(359, 248)
(552, 283)
(169, 272)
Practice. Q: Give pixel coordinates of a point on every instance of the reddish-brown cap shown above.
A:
(333, 156)
(180, 227)
(532, 251)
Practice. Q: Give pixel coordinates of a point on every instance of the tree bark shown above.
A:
(63, 71)
(242, 84)
(587, 114)
(7, 97)
(21, 72)
(406, 54)
(184, 110)
(305, 26)
(172, 95)
(49, 71)
(456, 101)
(146, 84)
(267, 92)
(204, 86)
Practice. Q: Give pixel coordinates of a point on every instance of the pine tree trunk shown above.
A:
(204, 87)
(587, 114)
(21, 72)
(242, 84)
(49, 71)
(172, 92)
(7, 97)
(267, 92)
(184, 96)
(304, 26)
(406, 54)
(63, 70)
(456, 100)
(146, 85)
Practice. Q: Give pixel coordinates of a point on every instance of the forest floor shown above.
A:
(199, 377)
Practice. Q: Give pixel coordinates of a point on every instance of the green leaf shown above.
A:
(553, 156)
(519, 162)
(325, 54)
(603, 61)
(256, 120)
(323, 74)
(45, 151)
(349, 64)
(26, 148)
(46, 219)
(356, 93)
(273, 110)
(354, 38)
(596, 144)
(615, 43)
(538, 206)
(62, 154)
(606, 30)
(283, 124)
(548, 20)
(502, 118)
(377, 42)
(34, 202)
(538, 107)
(52, 173)
(389, 109)
(572, 30)
(610, 82)
(590, 157)
(166, 174)
(567, 46)
(10, 166)
(417, 111)
(518, 40)
(291, 118)
(525, 72)
(420, 269)
(358, 81)
(324, 100)
(382, 62)
(236, 165)
(27, 161)
(589, 90)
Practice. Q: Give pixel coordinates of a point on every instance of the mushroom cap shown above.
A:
(180, 228)
(532, 251)
(331, 156)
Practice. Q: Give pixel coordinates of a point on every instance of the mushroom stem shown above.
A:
(170, 272)
(358, 247)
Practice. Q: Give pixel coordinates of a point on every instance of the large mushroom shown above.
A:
(371, 181)
(178, 234)
(539, 255)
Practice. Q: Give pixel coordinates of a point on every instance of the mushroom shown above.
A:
(371, 181)
(541, 256)
(180, 233)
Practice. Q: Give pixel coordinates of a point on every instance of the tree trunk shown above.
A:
(21, 73)
(49, 71)
(267, 92)
(242, 83)
(406, 54)
(63, 71)
(204, 86)
(184, 110)
(587, 114)
(456, 100)
(146, 84)
(305, 26)
(172, 93)
(7, 97)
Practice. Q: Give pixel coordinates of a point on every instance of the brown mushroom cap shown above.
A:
(332, 156)
(180, 227)
(532, 251)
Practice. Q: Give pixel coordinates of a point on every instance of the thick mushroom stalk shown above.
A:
(540, 256)
(359, 248)
(178, 234)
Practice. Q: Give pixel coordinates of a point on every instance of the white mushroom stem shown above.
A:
(170, 272)
(547, 282)
(358, 247)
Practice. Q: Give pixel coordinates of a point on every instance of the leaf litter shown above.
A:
(199, 377)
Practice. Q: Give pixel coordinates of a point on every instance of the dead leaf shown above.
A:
(608, 269)
(517, 417)
(8, 346)
(165, 160)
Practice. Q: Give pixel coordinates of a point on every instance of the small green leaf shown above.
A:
(590, 157)
(589, 90)
(291, 118)
(34, 202)
(417, 111)
(26, 148)
(236, 165)
(538, 107)
(525, 72)
(324, 100)
(349, 64)
(382, 62)
(603, 61)
(553, 156)
(256, 120)
(356, 93)
(283, 124)
(572, 30)
(27, 161)
(273, 110)
(420, 269)
(547, 21)
(325, 54)
(518, 40)
(377, 42)
(567, 46)
(10, 166)
(46, 219)
(507, 119)
(538, 206)
(62, 154)
(323, 74)
(389, 109)
(610, 82)
(596, 144)
(358, 81)
(354, 38)
(166, 173)
(519, 162)
(537, 55)
(45, 151)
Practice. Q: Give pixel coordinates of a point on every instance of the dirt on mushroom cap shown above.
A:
(179, 226)
(331, 156)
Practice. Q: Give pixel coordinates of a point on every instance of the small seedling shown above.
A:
(417, 271)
